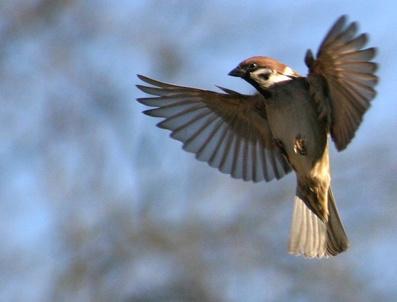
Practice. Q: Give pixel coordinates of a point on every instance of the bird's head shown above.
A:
(263, 72)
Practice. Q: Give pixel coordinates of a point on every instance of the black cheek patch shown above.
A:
(264, 76)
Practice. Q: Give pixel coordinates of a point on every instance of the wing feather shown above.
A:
(226, 130)
(347, 75)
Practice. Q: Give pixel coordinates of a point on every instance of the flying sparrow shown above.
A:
(283, 127)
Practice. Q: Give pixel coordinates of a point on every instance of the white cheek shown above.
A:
(256, 76)
(261, 81)
(273, 78)
(260, 71)
(278, 78)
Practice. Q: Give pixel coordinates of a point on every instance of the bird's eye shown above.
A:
(252, 66)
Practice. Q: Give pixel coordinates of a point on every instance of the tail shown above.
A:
(311, 237)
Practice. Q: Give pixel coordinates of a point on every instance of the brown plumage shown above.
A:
(266, 62)
(283, 128)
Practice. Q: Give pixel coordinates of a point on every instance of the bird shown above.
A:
(286, 125)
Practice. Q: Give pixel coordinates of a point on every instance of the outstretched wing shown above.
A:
(228, 130)
(349, 78)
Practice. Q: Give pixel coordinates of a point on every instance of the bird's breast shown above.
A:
(295, 125)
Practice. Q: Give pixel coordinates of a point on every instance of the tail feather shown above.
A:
(336, 233)
(311, 237)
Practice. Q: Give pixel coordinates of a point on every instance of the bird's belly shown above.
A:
(296, 128)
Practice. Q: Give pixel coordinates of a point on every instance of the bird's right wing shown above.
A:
(228, 130)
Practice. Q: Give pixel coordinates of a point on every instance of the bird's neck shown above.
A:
(262, 90)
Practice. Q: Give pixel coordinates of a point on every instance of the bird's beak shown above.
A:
(237, 72)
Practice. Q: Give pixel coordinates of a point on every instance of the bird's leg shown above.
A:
(300, 145)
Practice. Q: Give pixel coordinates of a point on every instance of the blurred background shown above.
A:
(97, 204)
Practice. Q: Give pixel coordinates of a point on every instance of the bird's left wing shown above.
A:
(344, 69)
(228, 130)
